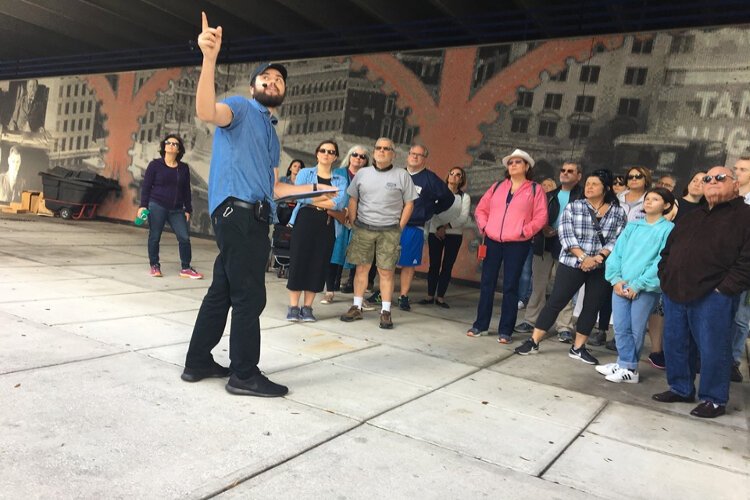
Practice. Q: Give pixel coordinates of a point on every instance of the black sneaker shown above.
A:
(528, 347)
(197, 374)
(582, 354)
(257, 385)
(375, 298)
(597, 338)
(403, 303)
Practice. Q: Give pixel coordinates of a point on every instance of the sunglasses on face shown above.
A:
(383, 148)
(567, 171)
(456, 173)
(329, 151)
(514, 162)
(170, 143)
(359, 155)
(619, 183)
(636, 176)
(719, 178)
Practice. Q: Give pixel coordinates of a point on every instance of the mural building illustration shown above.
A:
(672, 101)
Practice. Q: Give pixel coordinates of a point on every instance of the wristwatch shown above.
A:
(582, 257)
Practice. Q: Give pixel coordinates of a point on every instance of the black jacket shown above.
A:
(552, 244)
(707, 250)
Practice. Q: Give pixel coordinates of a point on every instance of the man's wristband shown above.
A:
(315, 186)
(582, 257)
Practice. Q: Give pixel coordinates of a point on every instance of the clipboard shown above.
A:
(308, 194)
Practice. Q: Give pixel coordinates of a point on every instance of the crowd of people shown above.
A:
(617, 245)
(606, 241)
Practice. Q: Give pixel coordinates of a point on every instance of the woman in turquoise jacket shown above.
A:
(632, 270)
(313, 232)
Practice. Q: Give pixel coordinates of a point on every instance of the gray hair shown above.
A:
(418, 145)
(347, 158)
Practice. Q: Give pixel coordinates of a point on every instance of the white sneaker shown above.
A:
(521, 305)
(607, 369)
(623, 375)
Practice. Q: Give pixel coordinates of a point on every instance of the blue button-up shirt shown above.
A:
(245, 154)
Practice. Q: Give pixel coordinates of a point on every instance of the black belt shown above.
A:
(244, 204)
(261, 210)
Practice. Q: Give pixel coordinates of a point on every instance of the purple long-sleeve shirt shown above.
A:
(167, 186)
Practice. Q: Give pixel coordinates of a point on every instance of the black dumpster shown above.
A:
(75, 194)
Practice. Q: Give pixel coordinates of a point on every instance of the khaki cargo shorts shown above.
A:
(384, 245)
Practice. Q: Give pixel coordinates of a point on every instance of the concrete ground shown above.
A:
(91, 349)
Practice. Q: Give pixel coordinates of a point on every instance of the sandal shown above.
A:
(328, 299)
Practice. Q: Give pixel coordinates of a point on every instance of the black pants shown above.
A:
(443, 255)
(238, 282)
(567, 282)
(333, 277)
(605, 312)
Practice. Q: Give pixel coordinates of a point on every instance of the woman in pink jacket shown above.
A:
(509, 214)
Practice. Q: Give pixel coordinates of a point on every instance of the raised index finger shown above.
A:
(204, 20)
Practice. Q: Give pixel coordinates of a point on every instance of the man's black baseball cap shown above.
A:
(268, 65)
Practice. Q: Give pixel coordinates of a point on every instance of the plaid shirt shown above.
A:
(577, 230)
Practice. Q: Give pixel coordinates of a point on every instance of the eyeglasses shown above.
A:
(456, 173)
(636, 176)
(665, 185)
(719, 178)
(383, 148)
(516, 161)
(568, 171)
(411, 153)
(171, 143)
(329, 151)
(359, 155)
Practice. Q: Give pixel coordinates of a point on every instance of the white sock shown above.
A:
(386, 306)
(358, 301)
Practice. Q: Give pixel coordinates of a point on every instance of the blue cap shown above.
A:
(268, 65)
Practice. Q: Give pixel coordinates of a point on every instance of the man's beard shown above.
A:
(269, 101)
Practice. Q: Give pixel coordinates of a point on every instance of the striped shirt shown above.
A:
(577, 230)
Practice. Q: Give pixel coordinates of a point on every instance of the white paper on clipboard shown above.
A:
(309, 194)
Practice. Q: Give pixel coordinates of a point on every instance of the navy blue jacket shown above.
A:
(434, 197)
(169, 187)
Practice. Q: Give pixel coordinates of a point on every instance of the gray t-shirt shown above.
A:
(381, 194)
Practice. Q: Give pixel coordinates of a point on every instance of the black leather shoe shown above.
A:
(425, 302)
(442, 304)
(197, 374)
(257, 385)
(673, 397)
(708, 410)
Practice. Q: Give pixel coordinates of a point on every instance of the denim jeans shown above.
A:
(703, 325)
(159, 216)
(514, 254)
(740, 327)
(524, 286)
(631, 318)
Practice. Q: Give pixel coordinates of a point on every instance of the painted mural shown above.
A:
(672, 101)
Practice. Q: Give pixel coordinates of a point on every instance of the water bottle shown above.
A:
(140, 219)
